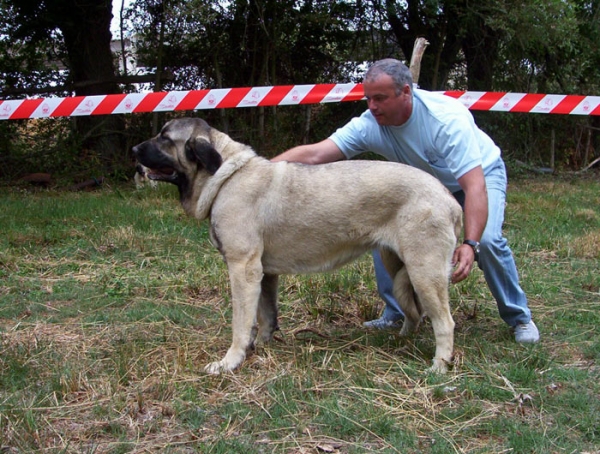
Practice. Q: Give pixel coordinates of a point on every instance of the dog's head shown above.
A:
(181, 151)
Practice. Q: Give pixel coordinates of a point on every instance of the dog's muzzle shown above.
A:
(157, 169)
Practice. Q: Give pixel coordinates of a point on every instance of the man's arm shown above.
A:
(315, 153)
(476, 214)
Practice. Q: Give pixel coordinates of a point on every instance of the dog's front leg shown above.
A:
(245, 291)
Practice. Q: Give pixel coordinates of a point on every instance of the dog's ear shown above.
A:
(202, 152)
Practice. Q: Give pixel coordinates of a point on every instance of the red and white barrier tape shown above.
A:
(528, 102)
(276, 96)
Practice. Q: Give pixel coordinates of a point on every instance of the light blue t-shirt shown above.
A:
(440, 137)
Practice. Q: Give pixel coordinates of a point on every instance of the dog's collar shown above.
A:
(211, 189)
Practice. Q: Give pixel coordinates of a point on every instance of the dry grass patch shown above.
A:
(128, 381)
(588, 245)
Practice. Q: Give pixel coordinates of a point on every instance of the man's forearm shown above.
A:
(297, 154)
(315, 153)
(476, 203)
(476, 214)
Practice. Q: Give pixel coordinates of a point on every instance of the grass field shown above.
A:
(112, 302)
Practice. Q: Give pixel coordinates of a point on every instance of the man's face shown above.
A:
(388, 108)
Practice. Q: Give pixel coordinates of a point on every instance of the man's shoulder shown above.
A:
(363, 124)
(366, 118)
(438, 107)
(355, 129)
(428, 94)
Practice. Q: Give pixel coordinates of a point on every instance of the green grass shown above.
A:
(112, 302)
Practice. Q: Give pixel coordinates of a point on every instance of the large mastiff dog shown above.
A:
(268, 219)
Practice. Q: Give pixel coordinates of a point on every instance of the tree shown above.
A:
(438, 22)
(83, 27)
(588, 56)
(247, 43)
(540, 46)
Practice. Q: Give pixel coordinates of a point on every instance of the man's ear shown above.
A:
(202, 152)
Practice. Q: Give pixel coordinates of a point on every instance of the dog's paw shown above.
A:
(215, 368)
(439, 366)
(230, 362)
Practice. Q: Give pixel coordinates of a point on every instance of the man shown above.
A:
(437, 134)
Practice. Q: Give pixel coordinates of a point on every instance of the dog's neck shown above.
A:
(214, 183)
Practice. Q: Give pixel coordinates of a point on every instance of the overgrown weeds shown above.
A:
(112, 302)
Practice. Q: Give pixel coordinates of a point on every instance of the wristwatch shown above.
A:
(475, 246)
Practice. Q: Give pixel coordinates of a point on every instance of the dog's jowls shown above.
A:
(268, 219)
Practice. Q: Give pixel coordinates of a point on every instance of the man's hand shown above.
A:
(462, 261)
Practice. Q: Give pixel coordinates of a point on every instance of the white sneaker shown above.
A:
(381, 323)
(527, 333)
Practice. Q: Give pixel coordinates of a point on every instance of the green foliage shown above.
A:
(26, 63)
(247, 43)
(51, 48)
(530, 138)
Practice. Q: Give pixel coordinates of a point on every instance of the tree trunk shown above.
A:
(86, 30)
(480, 52)
(442, 34)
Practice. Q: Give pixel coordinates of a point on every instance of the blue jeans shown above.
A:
(495, 260)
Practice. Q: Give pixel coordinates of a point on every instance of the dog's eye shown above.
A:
(165, 139)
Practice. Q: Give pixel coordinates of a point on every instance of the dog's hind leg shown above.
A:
(246, 277)
(267, 308)
(405, 295)
(403, 291)
(431, 287)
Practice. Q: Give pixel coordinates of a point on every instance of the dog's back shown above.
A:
(314, 218)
